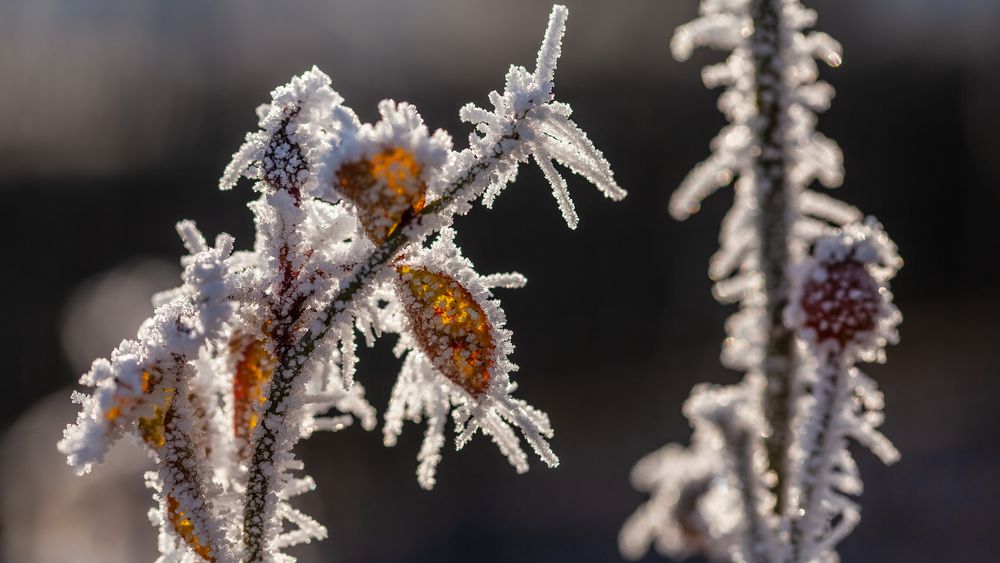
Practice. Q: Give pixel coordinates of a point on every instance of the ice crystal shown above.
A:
(774, 445)
(257, 349)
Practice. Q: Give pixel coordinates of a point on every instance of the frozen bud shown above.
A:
(843, 296)
(387, 189)
(450, 325)
(839, 300)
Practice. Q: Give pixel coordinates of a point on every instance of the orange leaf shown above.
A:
(451, 326)
(185, 529)
(252, 373)
(149, 379)
(386, 189)
(153, 428)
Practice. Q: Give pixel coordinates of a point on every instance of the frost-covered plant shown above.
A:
(256, 347)
(768, 476)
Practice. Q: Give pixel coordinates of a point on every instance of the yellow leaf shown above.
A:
(387, 189)
(450, 325)
(185, 529)
(252, 373)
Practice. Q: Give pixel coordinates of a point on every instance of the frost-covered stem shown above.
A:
(263, 474)
(741, 452)
(822, 445)
(775, 218)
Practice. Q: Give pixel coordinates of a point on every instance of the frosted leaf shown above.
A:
(385, 170)
(452, 331)
(189, 524)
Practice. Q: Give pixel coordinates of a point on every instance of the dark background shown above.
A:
(118, 118)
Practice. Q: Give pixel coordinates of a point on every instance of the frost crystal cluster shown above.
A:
(768, 477)
(256, 349)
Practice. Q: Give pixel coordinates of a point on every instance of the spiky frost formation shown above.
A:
(802, 321)
(257, 349)
(526, 122)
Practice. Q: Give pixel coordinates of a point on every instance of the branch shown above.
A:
(261, 495)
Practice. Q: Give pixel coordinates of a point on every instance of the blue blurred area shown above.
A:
(119, 117)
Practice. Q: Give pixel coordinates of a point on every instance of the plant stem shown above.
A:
(775, 218)
(821, 447)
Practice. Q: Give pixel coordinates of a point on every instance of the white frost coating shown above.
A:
(809, 154)
(780, 436)
(330, 389)
(257, 349)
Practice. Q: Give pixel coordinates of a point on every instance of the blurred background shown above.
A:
(118, 117)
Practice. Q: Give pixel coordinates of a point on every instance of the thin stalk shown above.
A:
(822, 444)
(741, 448)
(775, 218)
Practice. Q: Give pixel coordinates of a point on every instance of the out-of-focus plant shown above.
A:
(251, 352)
(768, 477)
